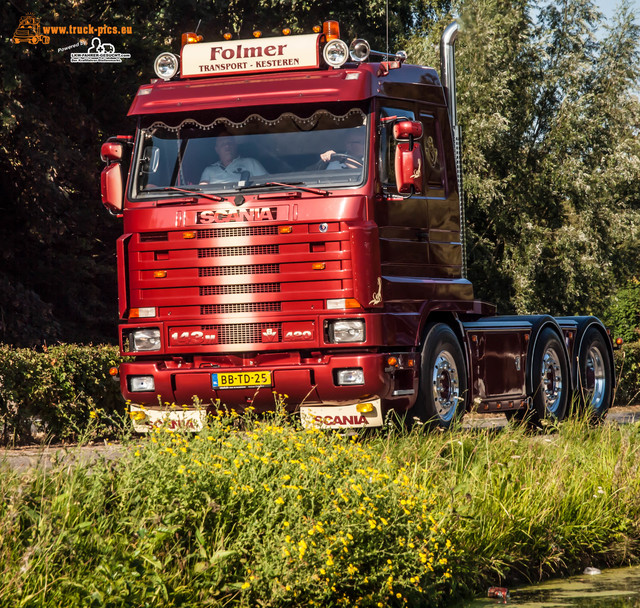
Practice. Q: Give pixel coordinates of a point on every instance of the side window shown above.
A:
(388, 143)
(432, 148)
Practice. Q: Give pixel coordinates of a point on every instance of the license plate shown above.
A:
(241, 380)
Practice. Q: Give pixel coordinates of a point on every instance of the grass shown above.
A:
(262, 513)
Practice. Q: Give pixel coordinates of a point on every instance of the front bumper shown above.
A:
(310, 382)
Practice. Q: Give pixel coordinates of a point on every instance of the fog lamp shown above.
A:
(142, 384)
(349, 377)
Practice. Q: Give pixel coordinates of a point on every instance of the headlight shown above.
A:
(349, 376)
(335, 53)
(145, 339)
(141, 384)
(346, 330)
(166, 66)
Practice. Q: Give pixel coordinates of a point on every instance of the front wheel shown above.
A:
(550, 378)
(595, 375)
(443, 379)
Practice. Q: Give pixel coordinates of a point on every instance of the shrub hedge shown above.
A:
(56, 391)
(628, 374)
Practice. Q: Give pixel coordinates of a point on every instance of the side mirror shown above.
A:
(407, 130)
(112, 187)
(409, 159)
(113, 153)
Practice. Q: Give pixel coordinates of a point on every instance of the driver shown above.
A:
(353, 155)
(231, 167)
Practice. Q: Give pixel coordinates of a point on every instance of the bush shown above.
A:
(628, 374)
(623, 315)
(56, 392)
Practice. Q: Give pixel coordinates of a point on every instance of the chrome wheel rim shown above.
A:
(446, 385)
(551, 379)
(595, 377)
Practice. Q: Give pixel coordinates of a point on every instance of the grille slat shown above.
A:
(225, 290)
(247, 307)
(214, 252)
(243, 333)
(236, 231)
(151, 237)
(226, 271)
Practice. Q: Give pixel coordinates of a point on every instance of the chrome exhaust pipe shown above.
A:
(448, 75)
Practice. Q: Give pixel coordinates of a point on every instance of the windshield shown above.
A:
(325, 149)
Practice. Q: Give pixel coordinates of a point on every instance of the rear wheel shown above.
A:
(443, 379)
(550, 378)
(595, 375)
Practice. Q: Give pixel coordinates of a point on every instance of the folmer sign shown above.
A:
(257, 55)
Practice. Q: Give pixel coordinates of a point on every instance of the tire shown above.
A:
(443, 379)
(550, 377)
(595, 376)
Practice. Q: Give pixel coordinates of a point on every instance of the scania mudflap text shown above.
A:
(293, 226)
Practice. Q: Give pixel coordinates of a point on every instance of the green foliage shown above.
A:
(58, 392)
(628, 374)
(623, 315)
(267, 514)
(550, 117)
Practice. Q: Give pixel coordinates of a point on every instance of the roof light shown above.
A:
(317, 29)
(166, 66)
(331, 30)
(335, 53)
(190, 38)
(227, 35)
(286, 31)
(257, 34)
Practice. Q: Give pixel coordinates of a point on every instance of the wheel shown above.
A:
(550, 378)
(443, 379)
(595, 375)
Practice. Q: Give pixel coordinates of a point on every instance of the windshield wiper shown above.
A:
(212, 197)
(288, 186)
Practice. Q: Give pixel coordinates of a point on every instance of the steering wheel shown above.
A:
(346, 158)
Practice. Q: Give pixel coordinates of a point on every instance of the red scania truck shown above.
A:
(293, 229)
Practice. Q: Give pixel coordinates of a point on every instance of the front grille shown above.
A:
(236, 231)
(227, 290)
(229, 309)
(226, 271)
(243, 333)
(215, 252)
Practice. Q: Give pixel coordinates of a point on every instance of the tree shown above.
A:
(550, 120)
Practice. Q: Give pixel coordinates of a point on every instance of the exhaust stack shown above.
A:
(448, 76)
